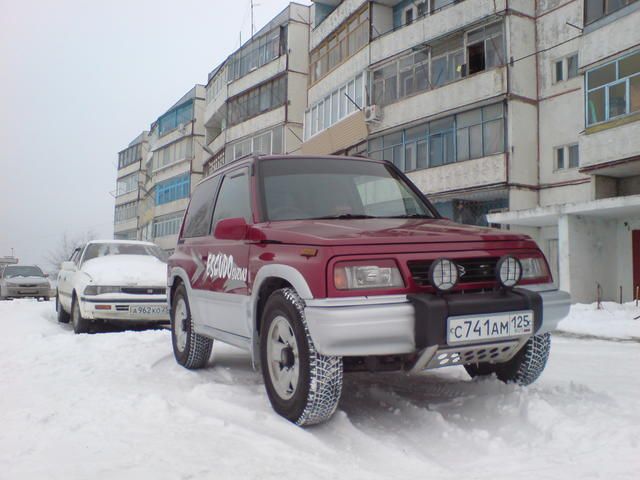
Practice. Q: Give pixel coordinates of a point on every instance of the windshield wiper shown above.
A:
(412, 215)
(344, 216)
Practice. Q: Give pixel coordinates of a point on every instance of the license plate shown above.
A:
(148, 310)
(475, 328)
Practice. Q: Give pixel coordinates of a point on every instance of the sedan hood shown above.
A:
(126, 270)
(377, 231)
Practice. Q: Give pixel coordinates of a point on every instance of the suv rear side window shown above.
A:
(233, 199)
(198, 220)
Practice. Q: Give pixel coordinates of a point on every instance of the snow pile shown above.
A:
(117, 406)
(142, 270)
(613, 320)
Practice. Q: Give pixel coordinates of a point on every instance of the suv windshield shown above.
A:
(96, 250)
(12, 271)
(315, 188)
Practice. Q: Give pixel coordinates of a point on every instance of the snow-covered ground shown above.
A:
(611, 320)
(117, 406)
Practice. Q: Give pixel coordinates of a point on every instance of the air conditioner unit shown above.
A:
(372, 113)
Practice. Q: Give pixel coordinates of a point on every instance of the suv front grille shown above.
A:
(144, 290)
(471, 270)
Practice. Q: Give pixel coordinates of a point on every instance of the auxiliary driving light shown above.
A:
(509, 271)
(443, 274)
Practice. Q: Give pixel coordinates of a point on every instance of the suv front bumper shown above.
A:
(386, 325)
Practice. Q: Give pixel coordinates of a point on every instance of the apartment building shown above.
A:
(255, 100)
(128, 187)
(587, 218)
(172, 168)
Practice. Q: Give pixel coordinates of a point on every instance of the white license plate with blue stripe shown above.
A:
(490, 326)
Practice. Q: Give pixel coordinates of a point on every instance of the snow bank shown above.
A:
(117, 406)
(611, 321)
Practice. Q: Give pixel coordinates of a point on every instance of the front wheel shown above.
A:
(524, 368)
(63, 317)
(303, 385)
(80, 324)
(191, 349)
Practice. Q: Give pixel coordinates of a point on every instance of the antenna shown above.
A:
(252, 25)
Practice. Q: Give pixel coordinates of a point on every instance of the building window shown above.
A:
(127, 184)
(173, 153)
(256, 101)
(464, 136)
(128, 235)
(267, 142)
(129, 156)
(406, 11)
(176, 117)
(327, 112)
(125, 212)
(472, 211)
(168, 225)
(348, 39)
(613, 90)
(565, 68)
(596, 9)
(173, 189)
(442, 63)
(216, 84)
(258, 52)
(566, 156)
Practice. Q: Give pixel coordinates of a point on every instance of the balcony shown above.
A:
(480, 172)
(448, 98)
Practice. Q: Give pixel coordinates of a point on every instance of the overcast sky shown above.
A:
(78, 81)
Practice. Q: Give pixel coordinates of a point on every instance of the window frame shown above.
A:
(607, 86)
(566, 157)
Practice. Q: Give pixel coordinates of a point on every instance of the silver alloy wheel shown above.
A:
(179, 324)
(282, 354)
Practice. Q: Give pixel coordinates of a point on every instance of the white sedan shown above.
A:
(119, 281)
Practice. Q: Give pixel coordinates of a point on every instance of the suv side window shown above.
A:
(197, 222)
(233, 199)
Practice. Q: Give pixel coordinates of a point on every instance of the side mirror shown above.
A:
(231, 229)
(46, 275)
(68, 266)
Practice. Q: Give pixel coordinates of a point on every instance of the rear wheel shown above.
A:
(80, 324)
(303, 385)
(524, 368)
(191, 350)
(63, 317)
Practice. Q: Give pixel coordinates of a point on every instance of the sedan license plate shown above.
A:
(475, 328)
(148, 310)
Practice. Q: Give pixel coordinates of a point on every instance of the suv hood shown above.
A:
(127, 270)
(378, 231)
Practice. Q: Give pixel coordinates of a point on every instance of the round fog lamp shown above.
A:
(509, 270)
(443, 274)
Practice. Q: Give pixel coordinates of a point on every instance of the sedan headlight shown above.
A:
(367, 275)
(98, 290)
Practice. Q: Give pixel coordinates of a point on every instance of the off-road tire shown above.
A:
(319, 387)
(63, 317)
(524, 368)
(198, 348)
(80, 324)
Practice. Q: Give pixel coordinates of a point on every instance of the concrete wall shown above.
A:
(522, 138)
(559, 195)
(588, 256)
(611, 144)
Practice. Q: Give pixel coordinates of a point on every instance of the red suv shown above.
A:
(321, 265)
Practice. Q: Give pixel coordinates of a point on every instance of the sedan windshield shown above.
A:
(318, 188)
(96, 250)
(14, 271)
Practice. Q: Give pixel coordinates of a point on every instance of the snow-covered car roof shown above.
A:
(128, 242)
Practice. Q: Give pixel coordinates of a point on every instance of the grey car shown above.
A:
(19, 281)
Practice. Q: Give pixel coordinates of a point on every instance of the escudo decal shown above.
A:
(221, 265)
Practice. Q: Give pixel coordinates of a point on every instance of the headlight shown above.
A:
(367, 275)
(533, 267)
(98, 290)
(509, 271)
(443, 274)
